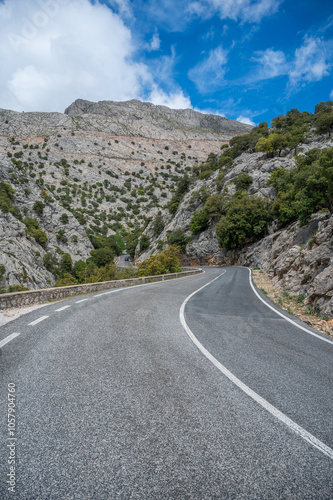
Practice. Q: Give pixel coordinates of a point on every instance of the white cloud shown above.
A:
(175, 100)
(331, 94)
(251, 11)
(209, 111)
(209, 74)
(55, 51)
(155, 42)
(310, 63)
(244, 119)
(272, 62)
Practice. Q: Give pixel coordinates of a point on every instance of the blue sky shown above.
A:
(244, 59)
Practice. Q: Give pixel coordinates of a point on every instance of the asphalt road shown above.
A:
(122, 262)
(113, 398)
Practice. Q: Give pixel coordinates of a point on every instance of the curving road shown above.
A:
(136, 393)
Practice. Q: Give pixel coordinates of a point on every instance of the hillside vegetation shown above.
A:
(271, 184)
(75, 187)
(300, 190)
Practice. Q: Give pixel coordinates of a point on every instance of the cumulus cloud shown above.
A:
(310, 64)
(175, 100)
(55, 51)
(244, 119)
(209, 74)
(251, 11)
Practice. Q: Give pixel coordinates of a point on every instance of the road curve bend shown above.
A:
(114, 400)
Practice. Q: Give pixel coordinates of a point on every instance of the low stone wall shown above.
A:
(21, 299)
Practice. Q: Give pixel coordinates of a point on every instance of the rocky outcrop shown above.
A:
(129, 119)
(300, 259)
(148, 120)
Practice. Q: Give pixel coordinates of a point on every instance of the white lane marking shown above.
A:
(285, 317)
(100, 295)
(38, 320)
(265, 404)
(62, 308)
(79, 301)
(8, 339)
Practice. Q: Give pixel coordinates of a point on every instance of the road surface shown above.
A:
(122, 262)
(136, 393)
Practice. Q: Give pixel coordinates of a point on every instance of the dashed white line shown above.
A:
(265, 404)
(8, 339)
(37, 320)
(79, 301)
(62, 308)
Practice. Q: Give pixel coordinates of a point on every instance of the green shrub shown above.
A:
(165, 262)
(39, 207)
(64, 218)
(50, 262)
(182, 188)
(2, 271)
(242, 181)
(32, 228)
(6, 200)
(17, 288)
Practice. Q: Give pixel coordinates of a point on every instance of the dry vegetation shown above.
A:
(293, 304)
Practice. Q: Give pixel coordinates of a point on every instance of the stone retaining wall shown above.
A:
(21, 299)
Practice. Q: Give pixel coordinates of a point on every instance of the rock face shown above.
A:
(300, 259)
(95, 167)
(147, 120)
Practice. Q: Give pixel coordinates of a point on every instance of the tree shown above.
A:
(213, 206)
(246, 217)
(324, 123)
(102, 256)
(178, 238)
(66, 264)
(158, 224)
(199, 222)
(144, 243)
(265, 145)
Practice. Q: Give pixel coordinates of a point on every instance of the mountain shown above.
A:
(96, 170)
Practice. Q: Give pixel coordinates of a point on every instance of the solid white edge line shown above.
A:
(37, 321)
(282, 315)
(258, 399)
(8, 339)
(79, 301)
